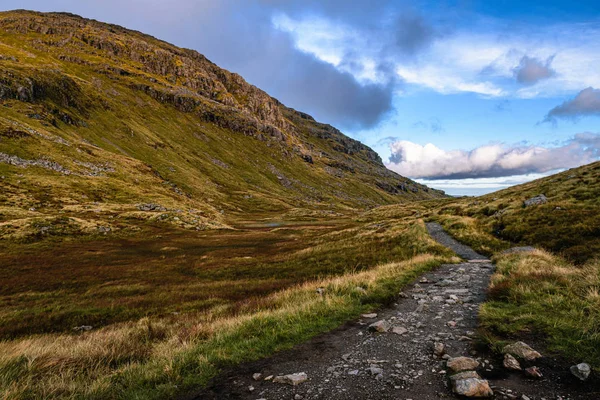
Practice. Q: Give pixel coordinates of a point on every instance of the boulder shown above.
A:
(380, 326)
(581, 371)
(291, 379)
(537, 200)
(464, 375)
(511, 363)
(459, 364)
(521, 350)
(472, 387)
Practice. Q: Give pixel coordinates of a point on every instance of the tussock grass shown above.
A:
(537, 293)
(157, 358)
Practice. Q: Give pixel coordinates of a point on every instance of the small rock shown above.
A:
(511, 363)
(257, 376)
(533, 372)
(360, 290)
(439, 349)
(472, 387)
(399, 330)
(581, 371)
(521, 350)
(353, 372)
(451, 324)
(375, 370)
(369, 316)
(83, 328)
(291, 379)
(251, 388)
(298, 397)
(268, 378)
(380, 326)
(459, 364)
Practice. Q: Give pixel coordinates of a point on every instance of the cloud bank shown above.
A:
(531, 70)
(491, 161)
(586, 103)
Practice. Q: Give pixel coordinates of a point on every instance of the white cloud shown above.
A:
(478, 60)
(479, 186)
(491, 161)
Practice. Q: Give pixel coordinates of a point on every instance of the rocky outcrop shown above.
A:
(535, 201)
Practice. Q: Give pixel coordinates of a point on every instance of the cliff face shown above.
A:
(172, 126)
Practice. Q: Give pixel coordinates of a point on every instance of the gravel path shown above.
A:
(354, 363)
(437, 232)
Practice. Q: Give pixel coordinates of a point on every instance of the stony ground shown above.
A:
(353, 362)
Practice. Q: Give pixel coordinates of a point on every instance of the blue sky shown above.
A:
(467, 96)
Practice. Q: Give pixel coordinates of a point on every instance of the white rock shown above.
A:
(291, 379)
(521, 350)
(399, 330)
(379, 326)
(581, 371)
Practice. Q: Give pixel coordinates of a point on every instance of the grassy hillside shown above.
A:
(549, 296)
(97, 119)
(568, 224)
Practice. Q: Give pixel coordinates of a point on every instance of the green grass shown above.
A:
(541, 295)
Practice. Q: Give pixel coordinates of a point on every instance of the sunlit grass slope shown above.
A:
(96, 119)
(568, 224)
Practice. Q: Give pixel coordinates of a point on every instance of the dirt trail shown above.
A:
(353, 363)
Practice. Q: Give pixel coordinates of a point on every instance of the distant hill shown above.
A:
(99, 122)
(560, 213)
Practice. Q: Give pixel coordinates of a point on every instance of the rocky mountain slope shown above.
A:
(99, 122)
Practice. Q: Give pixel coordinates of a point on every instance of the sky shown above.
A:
(468, 96)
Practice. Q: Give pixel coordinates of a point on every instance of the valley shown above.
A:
(165, 226)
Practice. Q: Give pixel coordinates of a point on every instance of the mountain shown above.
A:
(100, 123)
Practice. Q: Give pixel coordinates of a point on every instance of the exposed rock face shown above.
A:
(537, 200)
(459, 364)
(521, 350)
(151, 207)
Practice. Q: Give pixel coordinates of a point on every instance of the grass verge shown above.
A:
(537, 293)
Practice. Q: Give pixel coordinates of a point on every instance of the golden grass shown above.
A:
(151, 350)
(540, 293)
